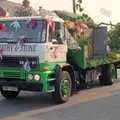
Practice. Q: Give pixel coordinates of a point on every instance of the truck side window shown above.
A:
(56, 36)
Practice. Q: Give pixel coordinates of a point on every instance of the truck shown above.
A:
(39, 54)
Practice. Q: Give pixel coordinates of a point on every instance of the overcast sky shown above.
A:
(100, 10)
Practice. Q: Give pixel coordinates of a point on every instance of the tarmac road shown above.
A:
(25, 102)
(100, 103)
(102, 109)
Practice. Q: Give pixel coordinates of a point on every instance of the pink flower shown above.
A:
(51, 24)
(3, 28)
(80, 27)
(31, 24)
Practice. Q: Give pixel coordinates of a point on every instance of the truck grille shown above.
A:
(10, 61)
(11, 75)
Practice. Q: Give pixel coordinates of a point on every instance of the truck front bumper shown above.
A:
(22, 85)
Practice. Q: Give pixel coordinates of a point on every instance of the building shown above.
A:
(8, 8)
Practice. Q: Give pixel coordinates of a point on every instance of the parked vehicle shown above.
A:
(39, 54)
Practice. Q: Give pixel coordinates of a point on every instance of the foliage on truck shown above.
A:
(98, 46)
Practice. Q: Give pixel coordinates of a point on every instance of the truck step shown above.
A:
(51, 79)
(49, 91)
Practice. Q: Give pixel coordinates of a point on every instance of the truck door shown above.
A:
(57, 44)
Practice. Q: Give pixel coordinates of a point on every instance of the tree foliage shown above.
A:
(26, 3)
(79, 25)
(114, 36)
(25, 9)
(84, 18)
(2, 12)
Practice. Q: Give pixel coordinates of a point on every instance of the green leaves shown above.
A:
(83, 18)
(114, 37)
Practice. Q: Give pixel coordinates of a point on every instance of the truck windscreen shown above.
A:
(33, 31)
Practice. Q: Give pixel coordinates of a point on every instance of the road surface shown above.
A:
(101, 103)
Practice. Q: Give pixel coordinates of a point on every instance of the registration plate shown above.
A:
(9, 88)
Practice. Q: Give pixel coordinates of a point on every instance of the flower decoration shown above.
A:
(51, 24)
(81, 28)
(76, 28)
(31, 24)
(3, 27)
(15, 24)
(69, 24)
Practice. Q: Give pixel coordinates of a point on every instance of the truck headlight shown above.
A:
(33, 62)
(30, 77)
(21, 62)
(37, 77)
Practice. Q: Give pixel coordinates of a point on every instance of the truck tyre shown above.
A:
(106, 78)
(9, 94)
(62, 87)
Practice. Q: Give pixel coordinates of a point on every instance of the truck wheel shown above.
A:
(106, 75)
(9, 94)
(62, 87)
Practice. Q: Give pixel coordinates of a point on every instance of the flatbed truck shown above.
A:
(39, 54)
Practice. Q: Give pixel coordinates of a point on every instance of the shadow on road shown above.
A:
(28, 101)
(24, 103)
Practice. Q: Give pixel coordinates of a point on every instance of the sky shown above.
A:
(99, 10)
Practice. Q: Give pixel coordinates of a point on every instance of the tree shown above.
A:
(25, 9)
(114, 36)
(2, 12)
(77, 6)
(26, 3)
(74, 6)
